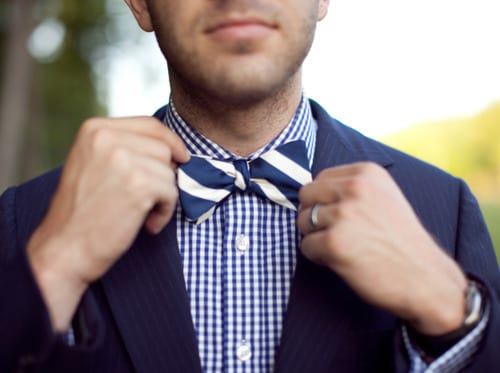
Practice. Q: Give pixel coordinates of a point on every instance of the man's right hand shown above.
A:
(119, 176)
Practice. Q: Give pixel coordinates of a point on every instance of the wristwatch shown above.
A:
(473, 304)
(430, 347)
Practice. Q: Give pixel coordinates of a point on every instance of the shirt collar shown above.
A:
(301, 127)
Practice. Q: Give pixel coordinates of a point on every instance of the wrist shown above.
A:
(432, 346)
(60, 287)
(439, 303)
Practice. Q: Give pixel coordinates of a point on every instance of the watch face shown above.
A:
(473, 303)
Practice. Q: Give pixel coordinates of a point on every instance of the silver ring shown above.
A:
(314, 217)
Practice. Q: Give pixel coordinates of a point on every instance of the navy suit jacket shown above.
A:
(137, 317)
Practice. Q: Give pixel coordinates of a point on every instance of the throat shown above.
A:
(241, 130)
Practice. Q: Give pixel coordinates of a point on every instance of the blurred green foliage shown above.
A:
(491, 213)
(466, 147)
(64, 86)
(65, 89)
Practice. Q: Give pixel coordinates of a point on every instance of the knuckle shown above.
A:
(100, 138)
(120, 158)
(157, 126)
(330, 189)
(357, 186)
(371, 168)
(89, 126)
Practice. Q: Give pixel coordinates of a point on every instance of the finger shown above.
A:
(325, 217)
(112, 140)
(145, 126)
(321, 191)
(343, 182)
(154, 128)
(327, 247)
(163, 209)
(315, 247)
(350, 169)
(149, 186)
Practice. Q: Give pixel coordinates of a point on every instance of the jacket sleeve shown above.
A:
(27, 341)
(474, 252)
(24, 321)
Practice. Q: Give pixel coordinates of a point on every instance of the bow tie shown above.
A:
(276, 175)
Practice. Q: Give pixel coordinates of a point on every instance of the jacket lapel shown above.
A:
(147, 295)
(321, 306)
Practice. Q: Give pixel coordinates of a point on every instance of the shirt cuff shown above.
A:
(456, 357)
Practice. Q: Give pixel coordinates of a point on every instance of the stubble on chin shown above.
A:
(245, 74)
(244, 85)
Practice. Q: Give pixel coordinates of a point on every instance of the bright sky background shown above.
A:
(378, 66)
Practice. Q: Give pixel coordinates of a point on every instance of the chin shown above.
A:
(240, 86)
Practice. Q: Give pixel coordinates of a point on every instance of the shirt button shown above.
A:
(243, 351)
(242, 243)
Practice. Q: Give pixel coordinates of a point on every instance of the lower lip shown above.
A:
(245, 31)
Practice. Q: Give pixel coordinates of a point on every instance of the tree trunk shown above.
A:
(15, 91)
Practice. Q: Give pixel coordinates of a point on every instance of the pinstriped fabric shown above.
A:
(141, 292)
(238, 297)
(204, 182)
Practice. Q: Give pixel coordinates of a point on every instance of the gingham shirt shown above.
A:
(239, 263)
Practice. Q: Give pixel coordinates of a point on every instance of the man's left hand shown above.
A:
(369, 235)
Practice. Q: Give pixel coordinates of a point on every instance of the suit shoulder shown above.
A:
(407, 163)
(347, 145)
(37, 193)
(24, 206)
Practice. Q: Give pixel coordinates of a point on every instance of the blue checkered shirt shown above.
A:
(239, 263)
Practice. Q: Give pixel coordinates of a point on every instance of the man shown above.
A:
(116, 264)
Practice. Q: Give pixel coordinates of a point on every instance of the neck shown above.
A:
(239, 128)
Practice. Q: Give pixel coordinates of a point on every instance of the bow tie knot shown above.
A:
(276, 175)
(242, 174)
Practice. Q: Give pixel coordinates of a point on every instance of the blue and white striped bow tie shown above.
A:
(277, 175)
